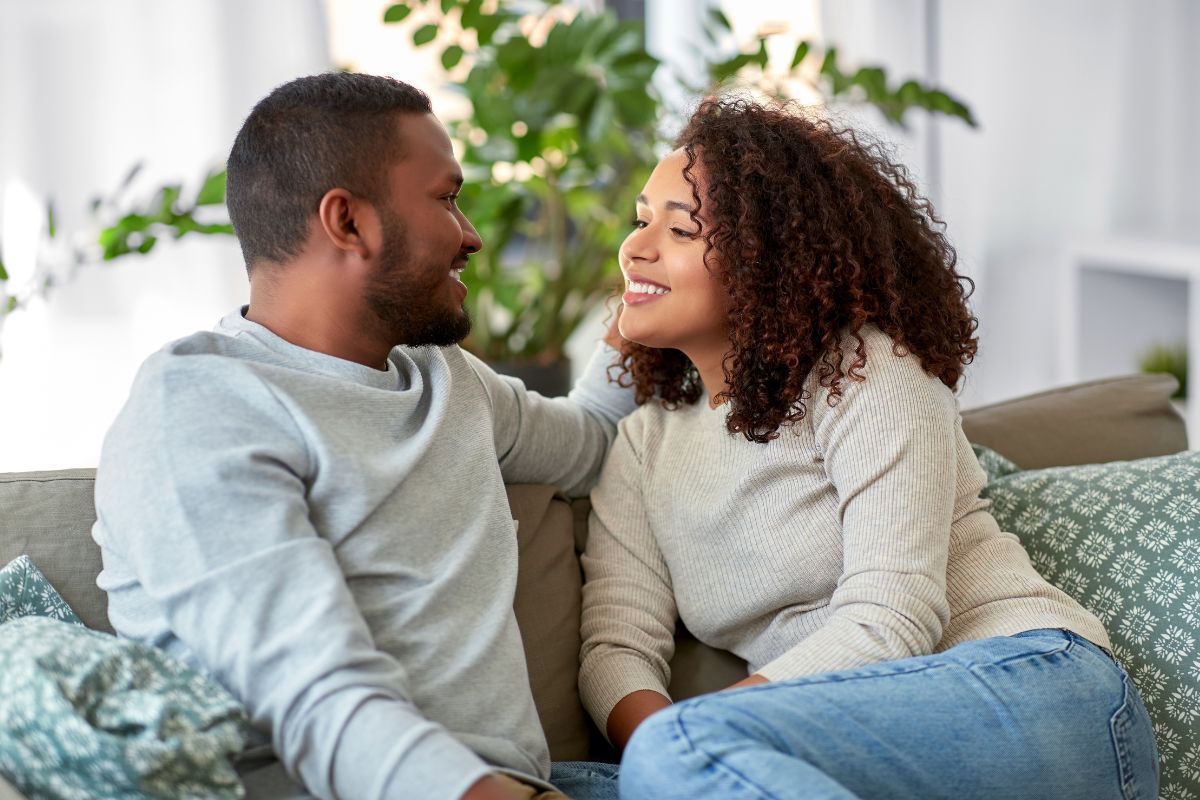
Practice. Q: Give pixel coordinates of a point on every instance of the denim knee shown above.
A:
(652, 759)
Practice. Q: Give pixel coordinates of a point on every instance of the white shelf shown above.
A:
(1145, 287)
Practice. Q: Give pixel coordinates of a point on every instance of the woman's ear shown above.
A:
(350, 223)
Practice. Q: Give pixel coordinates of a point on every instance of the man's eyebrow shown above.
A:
(672, 205)
(456, 178)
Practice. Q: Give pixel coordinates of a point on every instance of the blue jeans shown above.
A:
(585, 780)
(1043, 714)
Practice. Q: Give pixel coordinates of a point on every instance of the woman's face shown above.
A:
(671, 299)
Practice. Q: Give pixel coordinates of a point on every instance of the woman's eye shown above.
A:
(683, 233)
(639, 223)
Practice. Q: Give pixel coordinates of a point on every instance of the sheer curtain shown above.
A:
(86, 91)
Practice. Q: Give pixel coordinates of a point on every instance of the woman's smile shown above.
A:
(639, 290)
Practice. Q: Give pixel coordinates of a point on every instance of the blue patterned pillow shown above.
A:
(1123, 538)
(85, 714)
(25, 592)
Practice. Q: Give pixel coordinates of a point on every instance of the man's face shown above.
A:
(414, 290)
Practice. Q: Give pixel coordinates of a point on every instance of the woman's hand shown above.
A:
(629, 712)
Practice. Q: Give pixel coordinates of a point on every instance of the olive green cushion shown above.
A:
(1123, 538)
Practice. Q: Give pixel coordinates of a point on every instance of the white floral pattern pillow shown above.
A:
(84, 714)
(25, 592)
(1123, 539)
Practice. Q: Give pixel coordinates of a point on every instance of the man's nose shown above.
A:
(472, 242)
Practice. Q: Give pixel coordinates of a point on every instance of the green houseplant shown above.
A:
(564, 125)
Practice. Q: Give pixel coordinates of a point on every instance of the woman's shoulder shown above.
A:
(888, 371)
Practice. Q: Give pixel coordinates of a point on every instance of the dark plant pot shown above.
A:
(551, 380)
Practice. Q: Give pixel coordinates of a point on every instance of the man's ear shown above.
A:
(349, 222)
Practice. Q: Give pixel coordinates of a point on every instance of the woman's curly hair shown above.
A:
(813, 233)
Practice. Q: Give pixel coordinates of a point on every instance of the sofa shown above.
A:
(48, 516)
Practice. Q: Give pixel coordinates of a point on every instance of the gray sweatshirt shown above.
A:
(857, 536)
(333, 543)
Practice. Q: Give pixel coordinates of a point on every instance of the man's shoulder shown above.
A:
(203, 370)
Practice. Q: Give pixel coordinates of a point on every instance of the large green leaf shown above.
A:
(397, 12)
(425, 34)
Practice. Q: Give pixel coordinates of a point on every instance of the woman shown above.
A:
(797, 489)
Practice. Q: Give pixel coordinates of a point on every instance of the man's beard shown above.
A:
(403, 302)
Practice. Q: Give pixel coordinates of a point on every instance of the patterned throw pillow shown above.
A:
(25, 592)
(1124, 540)
(84, 714)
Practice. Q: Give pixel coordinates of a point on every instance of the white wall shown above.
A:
(86, 90)
(1089, 118)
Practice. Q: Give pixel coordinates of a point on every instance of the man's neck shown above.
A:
(310, 310)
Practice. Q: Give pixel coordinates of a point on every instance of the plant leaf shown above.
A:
(397, 12)
(51, 228)
(212, 193)
(717, 16)
(447, 5)
(451, 56)
(3, 272)
(425, 34)
(801, 53)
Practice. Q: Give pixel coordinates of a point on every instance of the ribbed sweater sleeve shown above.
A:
(889, 450)
(629, 612)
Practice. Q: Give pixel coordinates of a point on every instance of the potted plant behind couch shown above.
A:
(564, 124)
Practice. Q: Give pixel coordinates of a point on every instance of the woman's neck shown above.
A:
(711, 366)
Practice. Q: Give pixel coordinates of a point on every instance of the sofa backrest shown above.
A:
(48, 516)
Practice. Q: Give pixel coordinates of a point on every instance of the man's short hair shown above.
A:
(306, 137)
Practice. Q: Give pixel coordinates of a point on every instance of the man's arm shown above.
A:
(561, 440)
(202, 491)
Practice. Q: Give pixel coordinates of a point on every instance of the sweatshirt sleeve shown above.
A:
(202, 490)
(629, 611)
(556, 440)
(889, 451)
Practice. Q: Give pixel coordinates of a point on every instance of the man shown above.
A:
(315, 514)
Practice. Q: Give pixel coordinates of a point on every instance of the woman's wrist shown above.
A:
(630, 711)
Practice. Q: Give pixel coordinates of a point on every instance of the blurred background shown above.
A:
(1056, 138)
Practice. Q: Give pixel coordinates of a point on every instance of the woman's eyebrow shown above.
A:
(672, 205)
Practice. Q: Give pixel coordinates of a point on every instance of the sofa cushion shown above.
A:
(25, 592)
(547, 605)
(1123, 539)
(1111, 419)
(85, 714)
(48, 516)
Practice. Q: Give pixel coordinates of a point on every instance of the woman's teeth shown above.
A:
(646, 288)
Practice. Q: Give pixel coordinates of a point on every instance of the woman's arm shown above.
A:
(890, 449)
(629, 712)
(629, 612)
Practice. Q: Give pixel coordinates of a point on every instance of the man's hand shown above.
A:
(503, 787)
(613, 337)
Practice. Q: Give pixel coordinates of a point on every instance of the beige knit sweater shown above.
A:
(857, 536)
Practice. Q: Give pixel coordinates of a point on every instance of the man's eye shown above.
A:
(452, 199)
